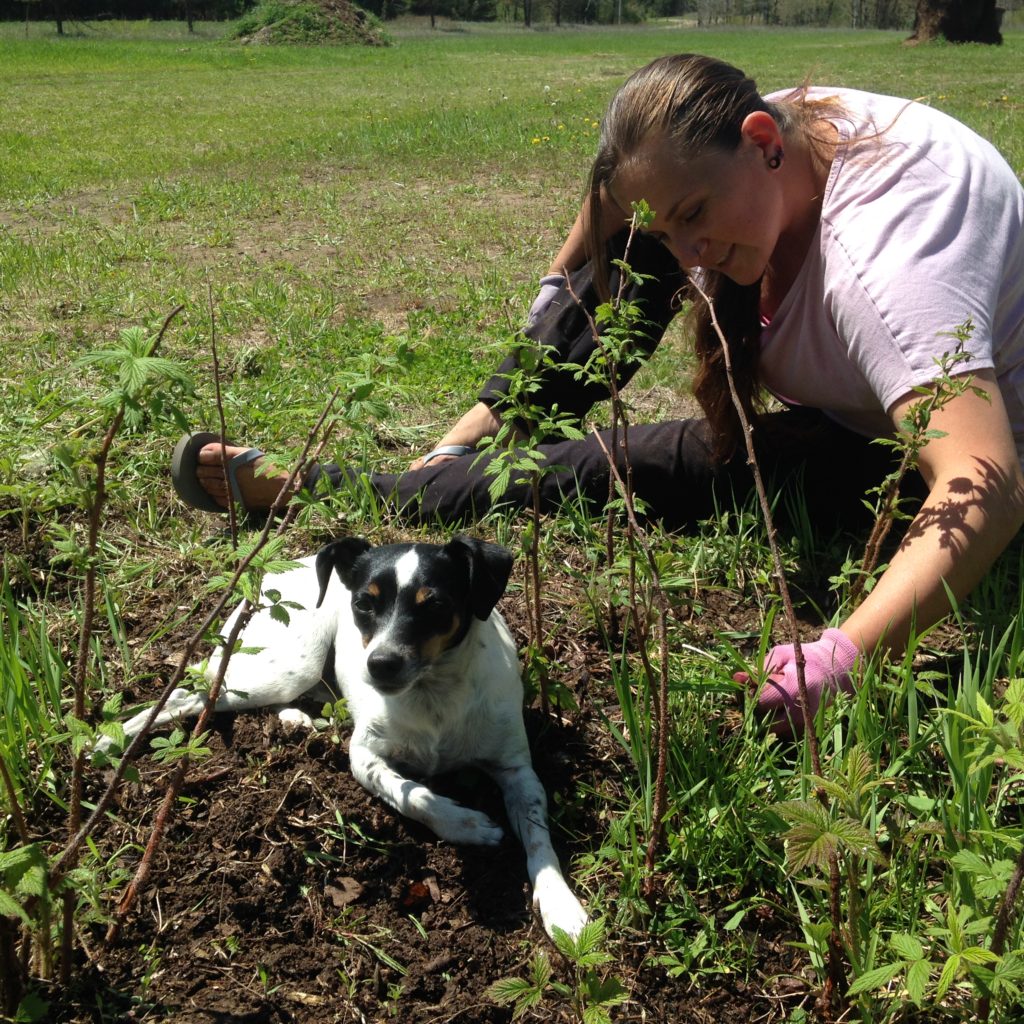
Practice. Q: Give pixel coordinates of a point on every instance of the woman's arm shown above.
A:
(974, 507)
(481, 420)
(574, 251)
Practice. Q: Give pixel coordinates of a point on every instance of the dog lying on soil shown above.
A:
(431, 677)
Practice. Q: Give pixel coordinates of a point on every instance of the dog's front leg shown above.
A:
(442, 816)
(527, 809)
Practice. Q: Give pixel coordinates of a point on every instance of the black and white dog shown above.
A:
(431, 677)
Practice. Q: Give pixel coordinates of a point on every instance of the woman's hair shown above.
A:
(696, 103)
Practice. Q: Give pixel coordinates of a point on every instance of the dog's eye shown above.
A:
(363, 603)
(432, 604)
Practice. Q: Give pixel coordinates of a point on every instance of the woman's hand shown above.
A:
(828, 667)
(478, 423)
(550, 285)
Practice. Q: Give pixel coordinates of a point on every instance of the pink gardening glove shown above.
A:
(549, 286)
(828, 664)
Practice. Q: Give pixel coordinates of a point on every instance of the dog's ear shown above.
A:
(490, 566)
(340, 556)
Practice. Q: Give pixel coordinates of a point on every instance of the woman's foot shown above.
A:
(259, 489)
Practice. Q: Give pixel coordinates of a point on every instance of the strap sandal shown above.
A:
(185, 461)
(448, 449)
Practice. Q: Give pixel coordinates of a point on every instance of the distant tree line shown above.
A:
(957, 20)
(867, 13)
(853, 13)
(128, 10)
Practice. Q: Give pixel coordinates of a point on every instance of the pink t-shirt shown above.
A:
(921, 229)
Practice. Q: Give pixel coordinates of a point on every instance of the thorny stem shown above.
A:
(618, 416)
(20, 824)
(537, 618)
(634, 535)
(12, 971)
(163, 816)
(882, 526)
(660, 788)
(82, 661)
(1002, 928)
(61, 864)
(836, 982)
(181, 770)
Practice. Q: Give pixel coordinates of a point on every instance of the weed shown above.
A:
(591, 993)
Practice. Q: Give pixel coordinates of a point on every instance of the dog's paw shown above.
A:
(558, 908)
(293, 719)
(466, 828)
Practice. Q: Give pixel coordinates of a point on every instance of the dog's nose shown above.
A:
(385, 666)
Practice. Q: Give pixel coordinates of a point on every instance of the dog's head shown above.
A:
(414, 602)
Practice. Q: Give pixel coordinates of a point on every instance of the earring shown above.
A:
(775, 162)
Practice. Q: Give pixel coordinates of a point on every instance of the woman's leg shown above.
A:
(801, 454)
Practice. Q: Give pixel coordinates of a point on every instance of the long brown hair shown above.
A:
(696, 103)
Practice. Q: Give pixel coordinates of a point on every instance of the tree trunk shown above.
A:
(958, 21)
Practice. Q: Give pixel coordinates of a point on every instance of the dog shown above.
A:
(431, 677)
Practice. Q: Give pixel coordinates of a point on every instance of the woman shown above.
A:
(842, 237)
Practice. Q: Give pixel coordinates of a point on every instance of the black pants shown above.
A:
(799, 451)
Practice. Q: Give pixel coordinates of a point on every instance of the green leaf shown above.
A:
(14, 863)
(32, 1008)
(11, 908)
(949, 973)
(608, 992)
(857, 838)
(508, 990)
(540, 967)
(803, 812)
(876, 978)
(970, 862)
(917, 981)
(985, 711)
(907, 946)
(978, 955)
(808, 845)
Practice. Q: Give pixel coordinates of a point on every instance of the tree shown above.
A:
(959, 21)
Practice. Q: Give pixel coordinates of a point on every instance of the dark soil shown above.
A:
(284, 892)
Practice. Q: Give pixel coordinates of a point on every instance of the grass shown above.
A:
(342, 205)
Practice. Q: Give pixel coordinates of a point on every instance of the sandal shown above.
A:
(183, 471)
(448, 449)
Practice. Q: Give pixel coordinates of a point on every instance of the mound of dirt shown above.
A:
(310, 22)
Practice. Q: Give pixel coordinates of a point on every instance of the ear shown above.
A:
(339, 555)
(762, 130)
(490, 566)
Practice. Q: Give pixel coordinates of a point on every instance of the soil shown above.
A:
(283, 892)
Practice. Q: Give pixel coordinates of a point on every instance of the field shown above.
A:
(375, 221)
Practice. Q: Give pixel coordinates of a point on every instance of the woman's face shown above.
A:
(721, 210)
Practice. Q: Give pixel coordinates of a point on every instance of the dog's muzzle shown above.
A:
(390, 669)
